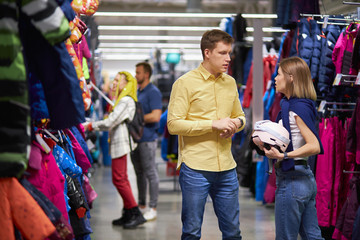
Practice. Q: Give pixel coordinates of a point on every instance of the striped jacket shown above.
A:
(49, 19)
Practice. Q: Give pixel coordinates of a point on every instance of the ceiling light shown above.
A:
(145, 38)
(259, 15)
(187, 57)
(164, 15)
(149, 45)
(180, 15)
(143, 50)
(155, 28)
(268, 29)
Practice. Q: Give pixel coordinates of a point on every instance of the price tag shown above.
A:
(322, 106)
(326, 20)
(337, 79)
(357, 82)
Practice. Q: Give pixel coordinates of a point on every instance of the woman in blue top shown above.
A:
(295, 211)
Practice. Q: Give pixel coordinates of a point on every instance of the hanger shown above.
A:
(50, 134)
(356, 172)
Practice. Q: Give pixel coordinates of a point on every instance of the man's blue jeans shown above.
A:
(223, 188)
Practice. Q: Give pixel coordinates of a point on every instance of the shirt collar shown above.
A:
(147, 86)
(205, 73)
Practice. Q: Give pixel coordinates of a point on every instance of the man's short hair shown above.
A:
(146, 66)
(212, 37)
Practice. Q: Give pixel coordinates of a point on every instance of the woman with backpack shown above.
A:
(124, 88)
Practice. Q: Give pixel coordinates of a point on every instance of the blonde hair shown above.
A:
(302, 85)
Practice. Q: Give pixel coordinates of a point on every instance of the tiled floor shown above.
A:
(256, 220)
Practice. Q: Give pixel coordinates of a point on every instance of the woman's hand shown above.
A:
(86, 126)
(273, 153)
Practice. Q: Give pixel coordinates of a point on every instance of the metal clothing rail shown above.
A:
(345, 79)
(101, 93)
(351, 3)
(345, 19)
(323, 103)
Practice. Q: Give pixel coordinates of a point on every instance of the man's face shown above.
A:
(140, 74)
(219, 57)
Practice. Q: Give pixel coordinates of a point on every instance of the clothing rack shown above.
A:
(345, 19)
(345, 79)
(333, 23)
(340, 109)
(323, 103)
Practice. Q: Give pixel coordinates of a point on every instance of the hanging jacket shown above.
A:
(353, 135)
(63, 228)
(20, 209)
(80, 156)
(327, 67)
(343, 50)
(316, 51)
(306, 45)
(46, 177)
(52, 27)
(48, 60)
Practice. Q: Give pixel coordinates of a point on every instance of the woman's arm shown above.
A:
(311, 146)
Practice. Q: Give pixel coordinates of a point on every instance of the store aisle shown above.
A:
(256, 220)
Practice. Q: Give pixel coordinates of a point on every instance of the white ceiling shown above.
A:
(121, 47)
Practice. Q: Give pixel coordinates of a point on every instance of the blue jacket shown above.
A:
(305, 47)
(327, 67)
(315, 58)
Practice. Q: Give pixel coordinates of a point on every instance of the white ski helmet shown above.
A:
(272, 133)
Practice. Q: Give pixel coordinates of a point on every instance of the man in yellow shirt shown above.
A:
(205, 111)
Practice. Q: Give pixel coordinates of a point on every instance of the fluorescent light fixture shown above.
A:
(164, 15)
(144, 50)
(259, 15)
(265, 39)
(151, 38)
(180, 15)
(155, 28)
(125, 57)
(121, 57)
(267, 29)
(149, 45)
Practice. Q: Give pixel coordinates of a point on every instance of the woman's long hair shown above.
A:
(302, 85)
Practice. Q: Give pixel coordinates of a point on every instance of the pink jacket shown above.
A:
(345, 43)
(45, 175)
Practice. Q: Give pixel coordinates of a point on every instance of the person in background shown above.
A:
(124, 88)
(205, 111)
(143, 157)
(295, 211)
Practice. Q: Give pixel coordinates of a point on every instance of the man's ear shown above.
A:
(206, 53)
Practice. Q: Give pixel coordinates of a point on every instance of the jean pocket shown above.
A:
(300, 187)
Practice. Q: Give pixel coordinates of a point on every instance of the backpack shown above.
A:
(136, 126)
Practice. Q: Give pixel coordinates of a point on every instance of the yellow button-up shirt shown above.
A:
(196, 99)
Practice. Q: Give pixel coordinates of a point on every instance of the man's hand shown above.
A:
(227, 126)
